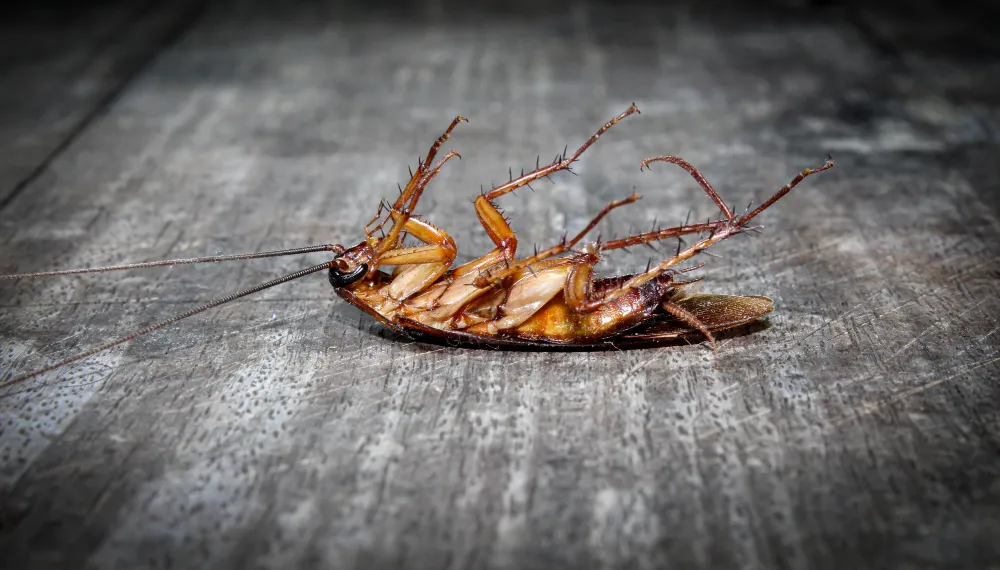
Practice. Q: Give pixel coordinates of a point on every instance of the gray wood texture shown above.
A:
(860, 428)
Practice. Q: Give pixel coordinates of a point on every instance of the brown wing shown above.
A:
(717, 312)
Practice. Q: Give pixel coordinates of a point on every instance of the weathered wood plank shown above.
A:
(62, 65)
(860, 429)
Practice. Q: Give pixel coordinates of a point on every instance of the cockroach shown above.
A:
(549, 299)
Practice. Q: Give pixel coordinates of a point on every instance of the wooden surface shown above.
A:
(861, 428)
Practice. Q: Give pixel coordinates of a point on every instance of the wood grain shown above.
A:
(861, 428)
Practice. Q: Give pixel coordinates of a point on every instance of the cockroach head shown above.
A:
(351, 265)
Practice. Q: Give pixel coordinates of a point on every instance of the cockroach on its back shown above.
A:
(551, 298)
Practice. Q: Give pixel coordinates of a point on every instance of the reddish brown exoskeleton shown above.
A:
(550, 298)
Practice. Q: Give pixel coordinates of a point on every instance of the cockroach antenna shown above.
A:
(167, 322)
(168, 262)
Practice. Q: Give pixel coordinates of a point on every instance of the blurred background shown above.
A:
(859, 428)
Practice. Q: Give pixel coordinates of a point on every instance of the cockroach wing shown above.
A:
(716, 312)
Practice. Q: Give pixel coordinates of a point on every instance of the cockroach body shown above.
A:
(548, 299)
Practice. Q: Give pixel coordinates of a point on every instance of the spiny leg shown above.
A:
(785, 190)
(697, 175)
(398, 221)
(425, 264)
(686, 316)
(462, 290)
(656, 235)
(719, 232)
(563, 246)
(577, 283)
(667, 233)
(408, 196)
(493, 221)
(561, 162)
(659, 235)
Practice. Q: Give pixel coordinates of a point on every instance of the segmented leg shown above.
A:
(698, 176)
(491, 218)
(561, 162)
(667, 233)
(494, 277)
(408, 196)
(686, 316)
(449, 299)
(464, 289)
(424, 264)
(646, 237)
(719, 231)
(400, 216)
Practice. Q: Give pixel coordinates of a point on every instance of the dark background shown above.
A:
(857, 427)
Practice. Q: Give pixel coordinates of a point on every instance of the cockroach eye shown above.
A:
(340, 278)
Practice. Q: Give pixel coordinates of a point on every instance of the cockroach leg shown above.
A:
(686, 316)
(462, 289)
(411, 186)
(369, 230)
(391, 239)
(471, 280)
(561, 162)
(661, 234)
(562, 247)
(727, 212)
(720, 231)
(418, 178)
(493, 221)
(425, 263)
(784, 190)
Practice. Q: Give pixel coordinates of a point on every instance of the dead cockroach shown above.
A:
(551, 298)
